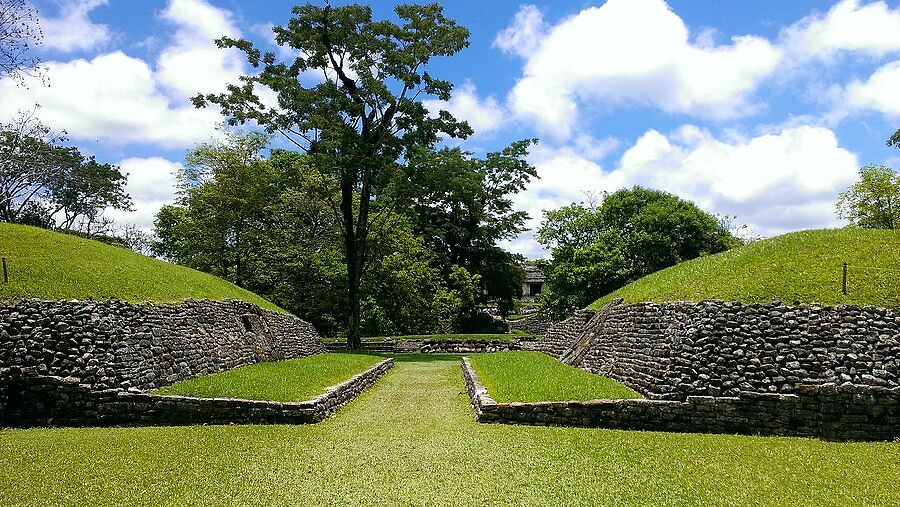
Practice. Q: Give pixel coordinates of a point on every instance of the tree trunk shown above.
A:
(354, 264)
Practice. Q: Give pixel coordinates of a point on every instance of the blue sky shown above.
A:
(764, 110)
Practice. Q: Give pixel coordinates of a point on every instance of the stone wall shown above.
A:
(559, 338)
(114, 344)
(111, 346)
(827, 411)
(676, 350)
(429, 346)
(534, 324)
(57, 401)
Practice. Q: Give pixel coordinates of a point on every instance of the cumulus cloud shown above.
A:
(635, 51)
(880, 92)
(121, 99)
(523, 35)
(192, 64)
(774, 183)
(483, 115)
(151, 184)
(112, 97)
(73, 30)
(873, 28)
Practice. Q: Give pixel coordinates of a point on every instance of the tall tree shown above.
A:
(463, 206)
(874, 200)
(19, 33)
(83, 191)
(364, 115)
(31, 158)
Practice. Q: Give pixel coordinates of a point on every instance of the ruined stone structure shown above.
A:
(832, 367)
(117, 349)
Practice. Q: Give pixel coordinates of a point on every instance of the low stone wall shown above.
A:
(845, 412)
(560, 336)
(56, 401)
(428, 346)
(714, 348)
(534, 324)
(114, 344)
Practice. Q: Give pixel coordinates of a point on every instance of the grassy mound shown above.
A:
(532, 376)
(50, 265)
(291, 380)
(802, 266)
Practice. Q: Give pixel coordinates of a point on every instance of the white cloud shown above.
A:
(483, 115)
(119, 99)
(637, 51)
(775, 183)
(873, 28)
(72, 30)
(523, 35)
(192, 64)
(113, 98)
(881, 92)
(151, 184)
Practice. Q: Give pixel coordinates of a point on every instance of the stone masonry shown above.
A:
(116, 347)
(675, 350)
(827, 411)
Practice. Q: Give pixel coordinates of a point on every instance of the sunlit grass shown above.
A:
(803, 266)
(290, 380)
(51, 265)
(531, 376)
(411, 440)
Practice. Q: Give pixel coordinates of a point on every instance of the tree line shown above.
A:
(268, 220)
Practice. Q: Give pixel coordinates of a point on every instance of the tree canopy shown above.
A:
(46, 184)
(632, 233)
(873, 201)
(19, 33)
(362, 120)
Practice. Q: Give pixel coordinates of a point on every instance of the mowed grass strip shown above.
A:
(51, 265)
(527, 376)
(290, 380)
(803, 266)
(411, 440)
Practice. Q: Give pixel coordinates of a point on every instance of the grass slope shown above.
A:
(291, 380)
(802, 266)
(531, 376)
(50, 265)
(411, 440)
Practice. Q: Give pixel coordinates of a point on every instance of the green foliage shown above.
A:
(873, 201)
(462, 206)
(50, 265)
(411, 440)
(894, 139)
(525, 376)
(634, 232)
(802, 266)
(39, 179)
(363, 117)
(290, 380)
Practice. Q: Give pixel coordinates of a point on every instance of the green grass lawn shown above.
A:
(531, 376)
(802, 266)
(51, 265)
(290, 380)
(411, 440)
(513, 335)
